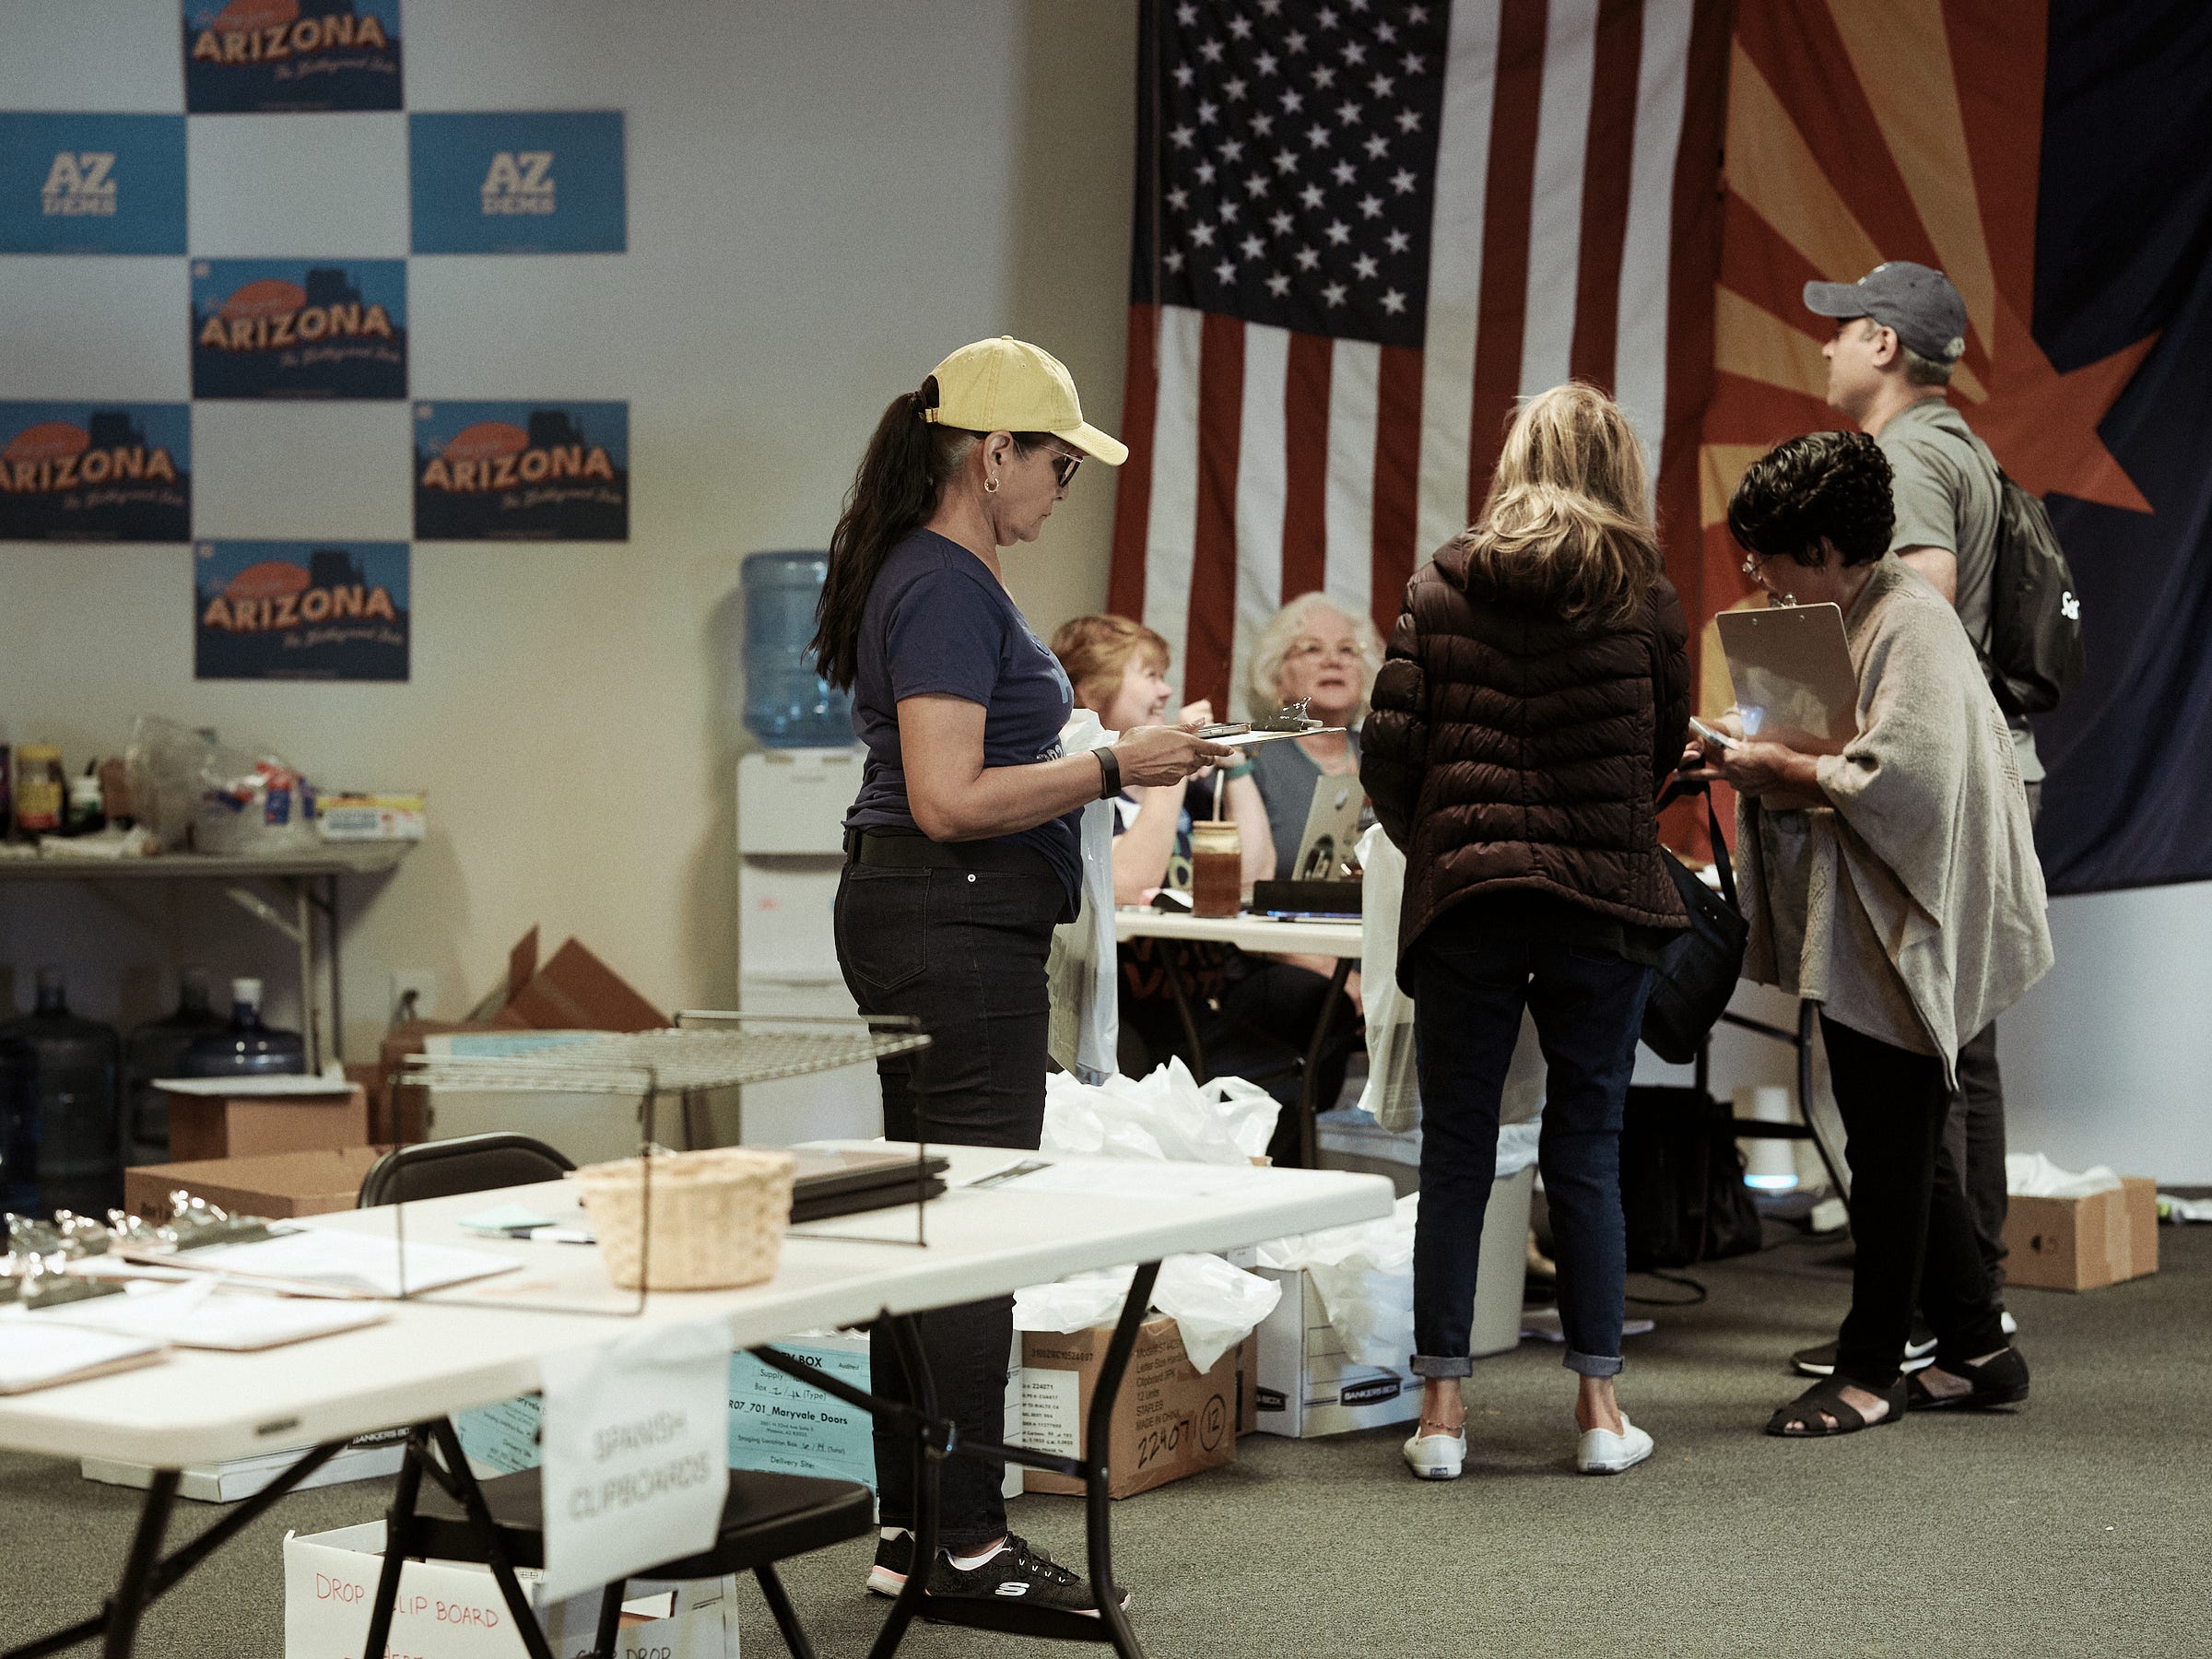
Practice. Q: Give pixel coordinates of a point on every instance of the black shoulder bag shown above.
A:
(1697, 972)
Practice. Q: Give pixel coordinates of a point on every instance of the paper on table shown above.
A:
(202, 1316)
(37, 1354)
(1134, 1177)
(506, 1217)
(348, 1262)
(1247, 739)
(286, 1084)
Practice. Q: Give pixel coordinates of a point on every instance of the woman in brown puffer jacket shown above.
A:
(1533, 698)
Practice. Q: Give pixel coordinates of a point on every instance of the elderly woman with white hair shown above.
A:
(1313, 650)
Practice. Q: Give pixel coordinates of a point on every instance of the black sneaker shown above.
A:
(1920, 1353)
(1014, 1573)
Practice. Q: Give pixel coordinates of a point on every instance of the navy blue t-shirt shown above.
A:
(939, 622)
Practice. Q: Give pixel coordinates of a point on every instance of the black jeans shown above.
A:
(1975, 1135)
(1910, 1222)
(1470, 986)
(964, 952)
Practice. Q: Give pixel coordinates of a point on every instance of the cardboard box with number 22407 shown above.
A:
(1168, 1420)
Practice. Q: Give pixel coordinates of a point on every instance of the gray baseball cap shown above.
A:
(1921, 305)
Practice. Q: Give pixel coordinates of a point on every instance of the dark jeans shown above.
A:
(964, 952)
(1910, 1222)
(1975, 1135)
(1469, 989)
(1265, 1018)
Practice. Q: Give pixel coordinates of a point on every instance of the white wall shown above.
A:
(825, 197)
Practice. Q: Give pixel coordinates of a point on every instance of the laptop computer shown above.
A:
(1332, 828)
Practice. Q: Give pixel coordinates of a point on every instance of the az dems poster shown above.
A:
(300, 328)
(522, 472)
(91, 183)
(548, 182)
(255, 56)
(95, 472)
(299, 610)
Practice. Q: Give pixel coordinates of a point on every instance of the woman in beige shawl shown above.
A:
(1895, 884)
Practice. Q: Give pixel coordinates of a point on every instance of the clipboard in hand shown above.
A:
(1791, 670)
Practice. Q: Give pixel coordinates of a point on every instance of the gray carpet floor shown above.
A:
(2081, 1523)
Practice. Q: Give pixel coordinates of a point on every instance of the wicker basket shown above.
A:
(718, 1216)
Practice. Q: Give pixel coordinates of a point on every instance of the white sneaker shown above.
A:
(1436, 1456)
(1602, 1451)
(2012, 1325)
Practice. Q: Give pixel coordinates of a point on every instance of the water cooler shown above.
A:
(791, 806)
(791, 809)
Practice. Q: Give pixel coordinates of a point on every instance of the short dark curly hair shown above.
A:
(1830, 488)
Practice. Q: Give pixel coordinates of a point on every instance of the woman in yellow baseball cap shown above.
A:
(962, 852)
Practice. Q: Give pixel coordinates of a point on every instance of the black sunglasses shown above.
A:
(1063, 467)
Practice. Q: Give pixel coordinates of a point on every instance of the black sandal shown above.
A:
(1999, 1381)
(1802, 1417)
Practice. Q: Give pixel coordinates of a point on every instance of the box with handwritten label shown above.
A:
(453, 1610)
(1169, 1419)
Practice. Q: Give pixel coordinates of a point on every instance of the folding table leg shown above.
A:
(780, 1609)
(399, 1537)
(1098, 1477)
(923, 1389)
(131, 1595)
(461, 1482)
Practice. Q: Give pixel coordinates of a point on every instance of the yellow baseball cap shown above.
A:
(1009, 385)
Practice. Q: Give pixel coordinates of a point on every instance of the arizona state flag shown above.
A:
(2055, 158)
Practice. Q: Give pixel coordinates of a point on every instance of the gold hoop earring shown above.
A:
(990, 484)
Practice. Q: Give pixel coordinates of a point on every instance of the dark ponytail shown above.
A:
(908, 464)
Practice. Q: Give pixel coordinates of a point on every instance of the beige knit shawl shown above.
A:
(1913, 909)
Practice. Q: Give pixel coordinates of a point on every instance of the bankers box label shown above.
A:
(300, 328)
(253, 56)
(299, 610)
(95, 472)
(543, 182)
(91, 183)
(522, 472)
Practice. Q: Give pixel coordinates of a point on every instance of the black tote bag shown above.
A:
(1697, 973)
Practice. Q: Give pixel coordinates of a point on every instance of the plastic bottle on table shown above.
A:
(245, 1047)
(73, 1102)
(156, 1050)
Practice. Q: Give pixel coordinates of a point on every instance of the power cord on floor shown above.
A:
(1682, 1280)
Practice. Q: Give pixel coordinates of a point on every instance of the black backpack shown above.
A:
(1682, 1192)
(2032, 653)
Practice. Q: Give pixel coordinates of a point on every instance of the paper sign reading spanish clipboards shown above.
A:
(1792, 673)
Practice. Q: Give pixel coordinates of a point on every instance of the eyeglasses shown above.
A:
(1063, 467)
(1310, 651)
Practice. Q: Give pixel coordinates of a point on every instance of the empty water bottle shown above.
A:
(73, 1102)
(156, 1050)
(245, 1047)
(787, 703)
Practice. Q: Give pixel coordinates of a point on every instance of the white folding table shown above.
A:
(1260, 935)
(446, 1351)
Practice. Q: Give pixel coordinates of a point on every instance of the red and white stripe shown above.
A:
(1265, 464)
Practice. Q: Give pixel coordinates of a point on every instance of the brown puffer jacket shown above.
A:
(1508, 751)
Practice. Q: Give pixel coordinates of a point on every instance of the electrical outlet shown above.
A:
(414, 993)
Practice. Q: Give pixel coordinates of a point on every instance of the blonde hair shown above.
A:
(1568, 513)
(1095, 651)
(1263, 683)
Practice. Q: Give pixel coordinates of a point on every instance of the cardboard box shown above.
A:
(276, 1114)
(453, 1610)
(1170, 1420)
(372, 818)
(369, 1458)
(776, 1422)
(574, 989)
(279, 1183)
(1307, 1384)
(2083, 1243)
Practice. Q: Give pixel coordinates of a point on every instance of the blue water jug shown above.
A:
(245, 1048)
(62, 1072)
(787, 704)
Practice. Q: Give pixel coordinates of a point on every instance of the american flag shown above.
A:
(1363, 227)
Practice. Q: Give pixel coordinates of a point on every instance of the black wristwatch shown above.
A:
(1110, 772)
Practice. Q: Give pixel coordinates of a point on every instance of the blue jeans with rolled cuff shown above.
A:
(1469, 990)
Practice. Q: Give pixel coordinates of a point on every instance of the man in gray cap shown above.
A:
(1901, 330)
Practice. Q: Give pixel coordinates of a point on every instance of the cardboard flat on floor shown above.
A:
(2083, 1243)
(1169, 1419)
(370, 1457)
(203, 1126)
(276, 1185)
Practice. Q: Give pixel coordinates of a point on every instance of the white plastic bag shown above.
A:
(1085, 1030)
(1365, 1276)
(1166, 1115)
(2031, 1175)
(251, 803)
(1214, 1305)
